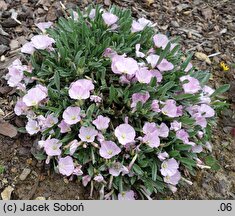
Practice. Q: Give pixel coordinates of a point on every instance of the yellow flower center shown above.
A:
(123, 194)
(88, 137)
(164, 165)
(123, 136)
(73, 117)
(34, 103)
(110, 152)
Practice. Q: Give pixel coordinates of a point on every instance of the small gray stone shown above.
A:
(3, 49)
(181, 7)
(107, 2)
(25, 174)
(175, 24)
(14, 44)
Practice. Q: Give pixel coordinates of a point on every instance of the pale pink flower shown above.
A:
(170, 108)
(41, 144)
(71, 115)
(125, 133)
(64, 127)
(99, 178)
(192, 86)
(50, 121)
(197, 149)
(92, 14)
(21, 87)
(20, 108)
(77, 171)
(206, 111)
(183, 135)
(143, 75)
(75, 15)
(162, 130)
(205, 99)
(80, 89)
(42, 42)
(160, 41)
(116, 168)
(85, 180)
(139, 97)
(169, 167)
(191, 143)
(193, 110)
(152, 139)
(73, 146)
(144, 22)
(110, 53)
(52, 147)
(175, 125)
(149, 127)
(155, 106)
(126, 195)
(109, 149)
(101, 122)
(162, 156)
(32, 127)
(157, 74)
(44, 25)
(35, 95)
(139, 25)
(189, 67)
(165, 65)
(200, 134)
(100, 137)
(109, 18)
(172, 188)
(200, 120)
(152, 59)
(14, 76)
(137, 51)
(124, 80)
(96, 99)
(66, 166)
(207, 90)
(173, 45)
(87, 134)
(174, 179)
(124, 65)
(208, 146)
(28, 48)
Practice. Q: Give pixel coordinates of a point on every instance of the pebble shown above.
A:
(6, 194)
(181, 7)
(40, 11)
(175, 24)
(14, 170)
(14, 44)
(3, 49)
(227, 129)
(3, 58)
(25, 174)
(1, 112)
(40, 198)
(107, 2)
(9, 23)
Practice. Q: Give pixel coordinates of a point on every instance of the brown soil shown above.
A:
(204, 26)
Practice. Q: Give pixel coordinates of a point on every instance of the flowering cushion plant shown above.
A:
(114, 104)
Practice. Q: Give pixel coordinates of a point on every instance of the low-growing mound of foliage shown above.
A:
(114, 104)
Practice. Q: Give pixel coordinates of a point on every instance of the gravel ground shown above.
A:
(206, 27)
